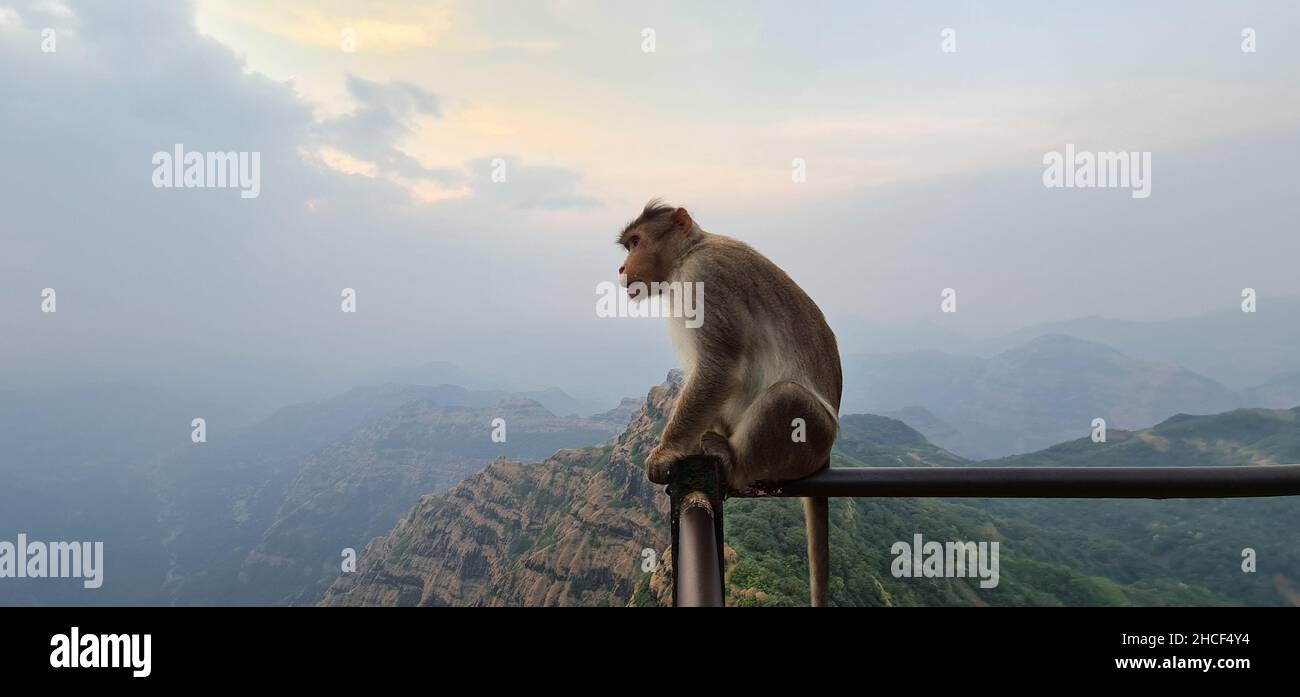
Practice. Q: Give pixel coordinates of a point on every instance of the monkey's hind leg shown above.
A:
(785, 434)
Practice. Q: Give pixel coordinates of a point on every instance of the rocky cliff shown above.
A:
(571, 530)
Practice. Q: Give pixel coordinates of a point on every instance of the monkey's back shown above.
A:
(758, 306)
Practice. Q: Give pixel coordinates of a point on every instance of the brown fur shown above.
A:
(763, 357)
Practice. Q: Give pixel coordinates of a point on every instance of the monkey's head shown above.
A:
(654, 242)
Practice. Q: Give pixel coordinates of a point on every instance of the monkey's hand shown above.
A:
(659, 464)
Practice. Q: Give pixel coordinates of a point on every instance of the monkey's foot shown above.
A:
(714, 445)
(659, 463)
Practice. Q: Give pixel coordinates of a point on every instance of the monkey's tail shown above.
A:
(816, 520)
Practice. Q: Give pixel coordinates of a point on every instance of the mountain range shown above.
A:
(560, 512)
(255, 515)
(1038, 393)
(1238, 349)
(574, 529)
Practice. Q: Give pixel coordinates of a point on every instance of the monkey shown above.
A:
(762, 366)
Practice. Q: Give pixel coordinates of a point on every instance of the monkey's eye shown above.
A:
(631, 244)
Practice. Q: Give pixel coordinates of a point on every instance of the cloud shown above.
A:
(547, 188)
(520, 45)
(197, 287)
(385, 115)
(378, 27)
(345, 163)
(395, 197)
(54, 8)
(367, 142)
(10, 19)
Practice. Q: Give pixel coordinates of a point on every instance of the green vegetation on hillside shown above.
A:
(1052, 551)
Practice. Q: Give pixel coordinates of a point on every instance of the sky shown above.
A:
(380, 125)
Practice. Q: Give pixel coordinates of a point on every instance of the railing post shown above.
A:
(697, 493)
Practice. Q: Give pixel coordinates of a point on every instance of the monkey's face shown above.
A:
(653, 246)
(646, 262)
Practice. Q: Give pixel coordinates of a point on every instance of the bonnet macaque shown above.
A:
(763, 379)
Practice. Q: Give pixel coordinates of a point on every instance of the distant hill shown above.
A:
(1237, 348)
(78, 461)
(621, 414)
(1280, 392)
(1240, 350)
(1029, 397)
(867, 440)
(283, 522)
(934, 429)
(258, 514)
(1238, 437)
(441, 373)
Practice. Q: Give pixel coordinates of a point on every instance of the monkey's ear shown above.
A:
(681, 220)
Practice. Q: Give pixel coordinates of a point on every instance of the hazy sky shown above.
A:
(924, 172)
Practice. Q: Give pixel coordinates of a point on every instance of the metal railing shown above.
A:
(698, 491)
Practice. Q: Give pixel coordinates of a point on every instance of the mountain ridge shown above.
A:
(1031, 396)
(574, 529)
